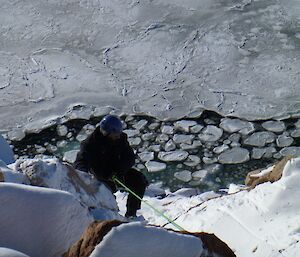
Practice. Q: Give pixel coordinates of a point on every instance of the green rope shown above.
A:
(151, 206)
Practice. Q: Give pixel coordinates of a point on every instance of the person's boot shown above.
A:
(130, 214)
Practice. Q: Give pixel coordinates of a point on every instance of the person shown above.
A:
(107, 153)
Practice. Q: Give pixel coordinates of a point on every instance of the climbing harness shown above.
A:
(115, 179)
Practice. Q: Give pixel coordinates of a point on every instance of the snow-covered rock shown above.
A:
(5, 252)
(234, 155)
(40, 221)
(52, 173)
(8, 175)
(114, 238)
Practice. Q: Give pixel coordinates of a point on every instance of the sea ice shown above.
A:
(177, 155)
(234, 155)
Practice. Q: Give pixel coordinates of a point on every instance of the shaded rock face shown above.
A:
(90, 238)
(213, 246)
(257, 177)
(94, 234)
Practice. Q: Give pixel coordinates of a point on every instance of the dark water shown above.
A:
(219, 176)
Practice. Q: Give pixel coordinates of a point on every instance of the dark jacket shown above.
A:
(103, 157)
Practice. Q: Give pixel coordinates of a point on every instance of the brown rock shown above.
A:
(1, 177)
(90, 238)
(252, 181)
(94, 234)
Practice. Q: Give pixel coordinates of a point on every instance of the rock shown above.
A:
(91, 238)
(236, 125)
(211, 133)
(260, 139)
(274, 126)
(140, 125)
(184, 125)
(186, 139)
(290, 151)
(6, 252)
(131, 132)
(192, 161)
(234, 155)
(220, 149)
(153, 166)
(283, 141)
(184, 175)
(97, 230)
(70, 156)
(146, 156)
(212, 245)
(267, 152)
(178, 155)
(52, 173)
(170, 146)
(271, 174)
(167, 130)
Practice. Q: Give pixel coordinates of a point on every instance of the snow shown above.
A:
(5, 252)
(148, 242)
(39, 221)
(6, 153)
(262, 222)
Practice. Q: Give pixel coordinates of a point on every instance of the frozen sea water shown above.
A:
(164, 58)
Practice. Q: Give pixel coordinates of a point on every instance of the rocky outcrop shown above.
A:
(94, 234)
(273, 174)
(90, 238)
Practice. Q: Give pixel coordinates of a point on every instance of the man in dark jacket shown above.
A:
(106, 152)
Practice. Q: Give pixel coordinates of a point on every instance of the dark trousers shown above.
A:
(135, 181)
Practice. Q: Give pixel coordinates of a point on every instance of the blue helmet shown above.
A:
(111, 124)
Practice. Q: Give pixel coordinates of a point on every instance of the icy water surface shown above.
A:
(209, 152)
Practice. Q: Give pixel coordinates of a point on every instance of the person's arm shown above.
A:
(84, 156)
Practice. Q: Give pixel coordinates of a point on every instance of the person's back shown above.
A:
(105, 153)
